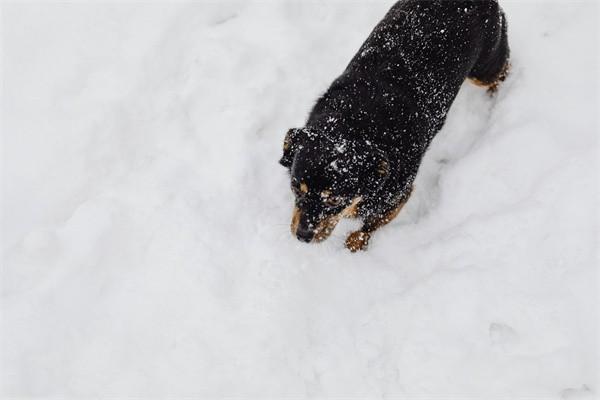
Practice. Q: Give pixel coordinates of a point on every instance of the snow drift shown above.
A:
(145, 220)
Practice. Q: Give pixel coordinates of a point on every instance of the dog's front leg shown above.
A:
(359, 240)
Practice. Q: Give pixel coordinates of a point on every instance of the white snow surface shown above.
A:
(146, 248)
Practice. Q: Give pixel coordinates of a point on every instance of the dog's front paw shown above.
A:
(358, 240)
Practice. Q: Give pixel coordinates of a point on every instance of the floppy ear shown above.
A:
(290, 146)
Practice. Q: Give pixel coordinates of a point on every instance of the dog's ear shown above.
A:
(290, 146)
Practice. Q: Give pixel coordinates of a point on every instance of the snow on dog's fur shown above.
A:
(366, 136)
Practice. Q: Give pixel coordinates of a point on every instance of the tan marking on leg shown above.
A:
(387, 218)
(492, 87)
(479, 83)
(352, 210)
(359, 240)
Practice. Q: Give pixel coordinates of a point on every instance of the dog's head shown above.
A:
(329, 178)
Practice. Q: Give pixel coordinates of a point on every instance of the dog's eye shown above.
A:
(334, 201)
(300, 190)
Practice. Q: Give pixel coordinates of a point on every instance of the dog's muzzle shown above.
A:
(300, 227)
(307, 232)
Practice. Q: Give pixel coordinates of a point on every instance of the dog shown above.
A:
(360, 149)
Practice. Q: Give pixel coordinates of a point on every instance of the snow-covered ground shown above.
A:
(145, 220)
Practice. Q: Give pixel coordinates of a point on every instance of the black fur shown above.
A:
(389, 103)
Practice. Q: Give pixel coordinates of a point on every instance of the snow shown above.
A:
(145, 221)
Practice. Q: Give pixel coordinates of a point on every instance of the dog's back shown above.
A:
(402, 81)
(380, 115)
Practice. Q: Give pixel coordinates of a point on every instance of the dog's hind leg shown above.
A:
(359, 240)
(492, 66)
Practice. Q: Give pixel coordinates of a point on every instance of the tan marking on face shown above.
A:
(322, 231)
(326, 227)
(303, 188)
(325, 193)
(287, 142)
(295, 220)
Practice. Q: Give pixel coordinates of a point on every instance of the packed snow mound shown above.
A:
(145, 220)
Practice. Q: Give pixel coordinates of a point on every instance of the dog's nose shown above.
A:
(304, 235)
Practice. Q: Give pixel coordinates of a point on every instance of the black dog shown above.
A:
(360, 150)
